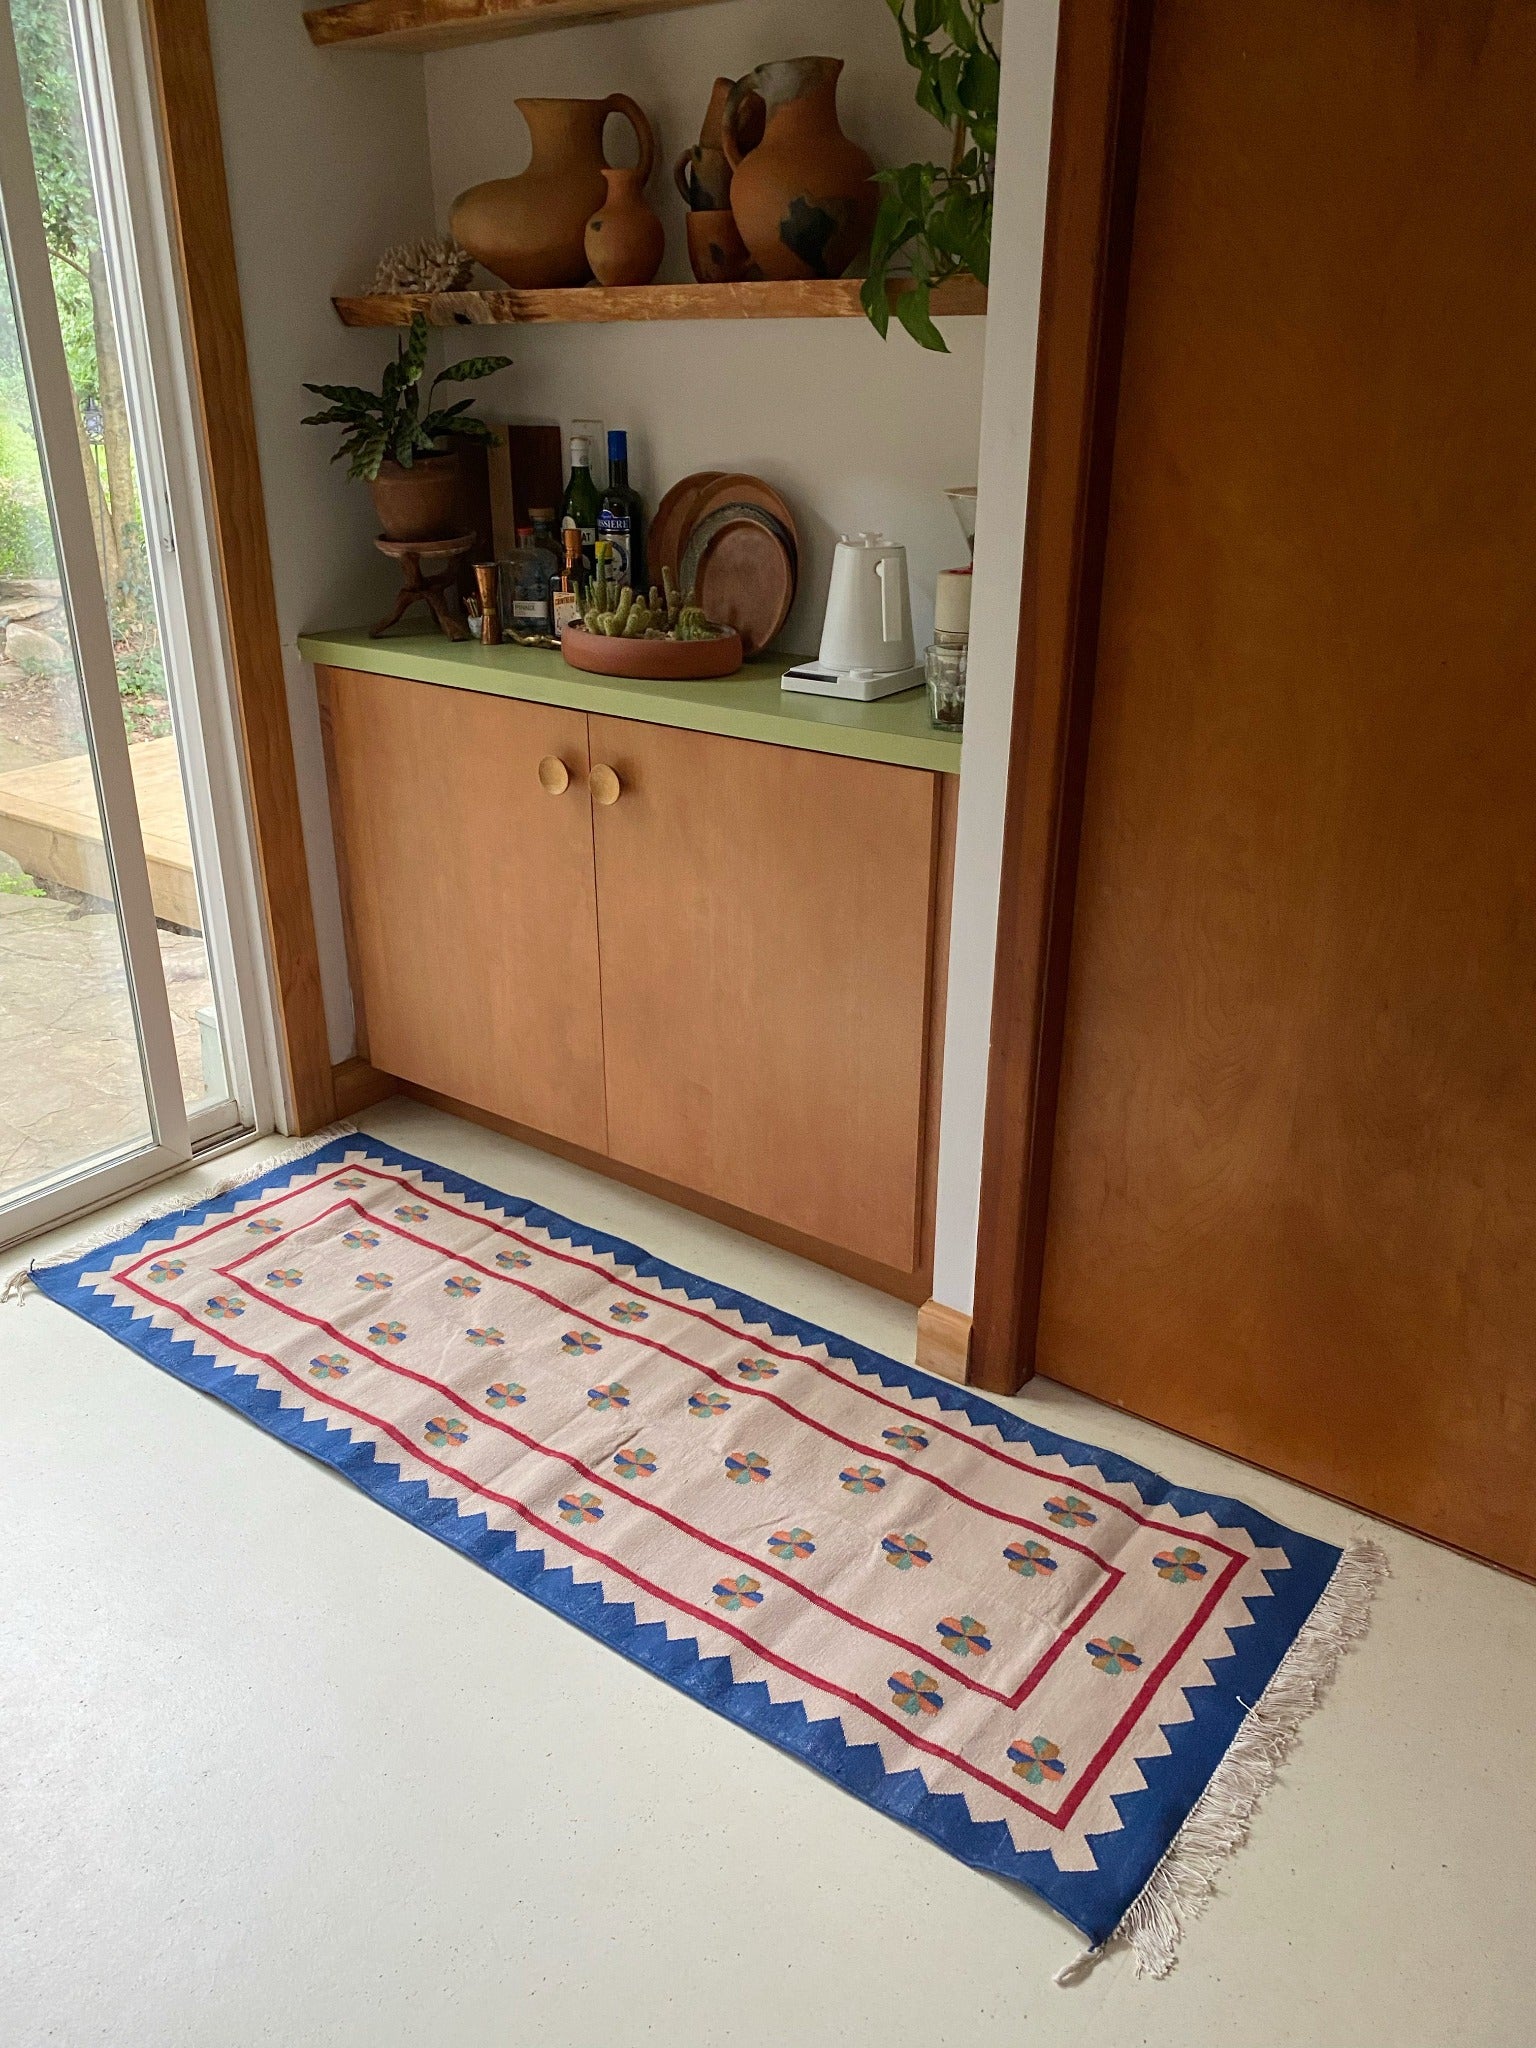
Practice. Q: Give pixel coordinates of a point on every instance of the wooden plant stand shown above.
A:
(430, 589)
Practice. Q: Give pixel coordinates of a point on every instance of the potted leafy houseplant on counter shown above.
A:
(399, 450)
(933, 222)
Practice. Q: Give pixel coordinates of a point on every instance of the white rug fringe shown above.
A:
(1218, 1825)
(16, 1286)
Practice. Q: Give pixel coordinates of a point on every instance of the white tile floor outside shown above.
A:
(275, 1767)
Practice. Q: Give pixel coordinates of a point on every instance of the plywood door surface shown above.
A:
(471, 897)
(1293, 1205)
(766, 924)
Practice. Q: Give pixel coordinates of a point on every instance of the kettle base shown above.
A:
(858, 685)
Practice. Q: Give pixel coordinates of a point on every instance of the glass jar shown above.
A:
(944, 667)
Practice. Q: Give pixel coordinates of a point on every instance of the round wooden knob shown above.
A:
(554, 775)
(605, 784)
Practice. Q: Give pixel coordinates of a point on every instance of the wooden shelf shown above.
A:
(442, 24)
(834, 298)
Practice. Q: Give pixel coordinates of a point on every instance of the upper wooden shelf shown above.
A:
(800, 299)
(441, 24)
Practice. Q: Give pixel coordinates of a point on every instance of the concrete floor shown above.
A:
(278, 1768)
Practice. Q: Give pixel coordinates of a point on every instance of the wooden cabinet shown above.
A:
(765, 937)
(472, 916)
(710, 968)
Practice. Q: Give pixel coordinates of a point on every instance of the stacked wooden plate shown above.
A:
(732, 538)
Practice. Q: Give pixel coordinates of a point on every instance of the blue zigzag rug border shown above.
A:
(1093, 1901)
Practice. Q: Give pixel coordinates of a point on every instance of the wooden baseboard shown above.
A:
(359, 1086)
(944, 1340)
(911, 1287)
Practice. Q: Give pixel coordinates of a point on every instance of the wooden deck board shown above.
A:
(50, 824)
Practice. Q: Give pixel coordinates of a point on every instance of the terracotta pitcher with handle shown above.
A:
(531, 230)
(805, 199)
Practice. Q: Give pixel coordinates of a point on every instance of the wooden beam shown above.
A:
(809, 298)
(443, 24)
(199, 205)
(1090, 209)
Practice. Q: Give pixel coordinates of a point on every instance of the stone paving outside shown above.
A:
(70, 1080)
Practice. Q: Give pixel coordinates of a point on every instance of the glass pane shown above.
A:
(71, 1079)
(96, 358)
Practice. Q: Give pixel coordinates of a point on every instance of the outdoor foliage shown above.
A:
(937, 222)
(388, 425)
(57, 134)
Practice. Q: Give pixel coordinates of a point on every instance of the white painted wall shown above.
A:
(1013, 318)
(854, 431)
(326, 155)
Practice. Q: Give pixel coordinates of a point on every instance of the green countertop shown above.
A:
(747, 706)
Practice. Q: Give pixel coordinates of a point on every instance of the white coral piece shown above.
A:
(426, 266)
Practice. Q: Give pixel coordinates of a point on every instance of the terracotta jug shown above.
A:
(804, 199)
(701, 173)
(531, 230)
(624, 238)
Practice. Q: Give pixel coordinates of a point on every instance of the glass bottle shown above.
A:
(945, 662)
(579, 508)
(621, 518)
(570, 588)
(533, 568)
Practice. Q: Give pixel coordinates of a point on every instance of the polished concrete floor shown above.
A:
(277, 1768)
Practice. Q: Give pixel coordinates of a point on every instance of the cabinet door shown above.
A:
(473, 922)
(766, 924)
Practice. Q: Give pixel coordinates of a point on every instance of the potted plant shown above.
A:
(398, 449)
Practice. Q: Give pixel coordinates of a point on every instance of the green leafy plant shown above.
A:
(388, 425)
(934, 222)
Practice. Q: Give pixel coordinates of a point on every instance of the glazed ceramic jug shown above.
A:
(531, 230)
(804, 199)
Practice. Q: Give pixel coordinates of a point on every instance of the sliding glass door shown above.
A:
(121, 977)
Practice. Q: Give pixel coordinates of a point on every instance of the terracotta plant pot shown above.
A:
(624, 239)
(419, 503)
(715, 248)
(805, 198)
(531, 230)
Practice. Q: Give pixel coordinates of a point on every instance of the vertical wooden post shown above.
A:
(193, 153)
(1102, 55)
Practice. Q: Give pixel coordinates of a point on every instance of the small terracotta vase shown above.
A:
(624, 239)
(715, 248)
(419, 503)
(805, 198)
(702, 174)
(531, 230)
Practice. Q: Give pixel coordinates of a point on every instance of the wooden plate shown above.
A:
(651, 660)
(745, 578)
(668, 535)
(744, 490)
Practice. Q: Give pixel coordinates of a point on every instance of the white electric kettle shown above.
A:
(866, 638)
(869, 617)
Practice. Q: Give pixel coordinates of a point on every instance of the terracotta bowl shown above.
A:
(657, 661)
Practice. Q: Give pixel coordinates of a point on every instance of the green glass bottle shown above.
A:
(582, 499)
(621, 517)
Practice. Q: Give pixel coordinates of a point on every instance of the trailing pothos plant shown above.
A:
(935, 222)
(388, 425)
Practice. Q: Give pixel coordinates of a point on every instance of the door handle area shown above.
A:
(554, 776)
(604, 784)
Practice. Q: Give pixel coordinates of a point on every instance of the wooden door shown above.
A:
(767, 916)
(470, 893)
(1293, 1201)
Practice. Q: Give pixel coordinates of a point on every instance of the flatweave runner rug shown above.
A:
(1064, 1669)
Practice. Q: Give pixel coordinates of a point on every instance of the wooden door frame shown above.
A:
(1101, 67)
(202, 238)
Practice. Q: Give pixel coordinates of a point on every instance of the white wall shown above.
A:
(1013, 318)
(854, 431)
(326, 155)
